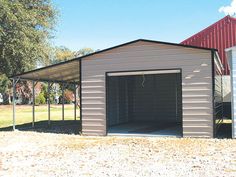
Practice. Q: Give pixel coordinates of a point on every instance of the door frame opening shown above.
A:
(143, 72)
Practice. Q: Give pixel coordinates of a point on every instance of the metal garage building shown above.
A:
(145, 87)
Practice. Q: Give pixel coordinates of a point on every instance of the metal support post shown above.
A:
(176, 97)
(75, 105)
(14, 80)
(33, 103)
(63, 102)
(49, 118)
(14, 104)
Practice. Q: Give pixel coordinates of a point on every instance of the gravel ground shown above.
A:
(43, 154)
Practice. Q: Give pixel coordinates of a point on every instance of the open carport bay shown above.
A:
(145, 104)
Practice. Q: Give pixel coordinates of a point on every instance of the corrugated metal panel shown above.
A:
(196, 82)
(118, 103)
(220, 35)
(62, 72)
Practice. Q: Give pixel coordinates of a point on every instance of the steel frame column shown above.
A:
(63, 102)
(14, 104)
(33, 103)
(176, 97)
(49, 118)
(14, 80)
(75, 104)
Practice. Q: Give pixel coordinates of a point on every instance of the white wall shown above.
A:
(226, 88)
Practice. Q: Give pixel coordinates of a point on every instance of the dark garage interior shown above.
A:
(144, 104)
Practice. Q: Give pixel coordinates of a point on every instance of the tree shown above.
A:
(40, 99)
(4, 83)
(84, 51)
(25, 32)
(62, 54)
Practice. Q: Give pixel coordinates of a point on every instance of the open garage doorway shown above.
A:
(144, 103)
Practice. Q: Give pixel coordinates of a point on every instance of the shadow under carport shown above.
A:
(63, 127)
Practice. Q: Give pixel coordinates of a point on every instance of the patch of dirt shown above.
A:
(45, 154)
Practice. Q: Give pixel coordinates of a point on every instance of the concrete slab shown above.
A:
(146, 129)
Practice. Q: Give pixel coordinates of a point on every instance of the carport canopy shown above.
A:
(67, 72)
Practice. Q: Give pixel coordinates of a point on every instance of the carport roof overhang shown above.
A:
(65, 72)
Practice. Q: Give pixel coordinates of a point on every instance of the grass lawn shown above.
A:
(24, 114)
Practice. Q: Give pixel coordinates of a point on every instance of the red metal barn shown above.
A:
(220, 35)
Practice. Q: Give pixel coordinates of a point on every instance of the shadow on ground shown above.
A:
(74, 127)
(65, 127)
(224, 131)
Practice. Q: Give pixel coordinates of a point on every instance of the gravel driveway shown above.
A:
(43, 154)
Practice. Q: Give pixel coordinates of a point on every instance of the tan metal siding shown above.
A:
(196, 91)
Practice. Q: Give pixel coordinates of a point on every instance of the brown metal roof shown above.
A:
(68, 72)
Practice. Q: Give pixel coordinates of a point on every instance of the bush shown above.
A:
(40, 99)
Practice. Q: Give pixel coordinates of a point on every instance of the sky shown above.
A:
(99, 24)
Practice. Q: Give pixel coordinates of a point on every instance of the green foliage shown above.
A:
(4, 83)
(84, 51)
(40, 99)
(44, 93)
(44, 90)
(25, 30)
(37, 100)
(62, 54)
